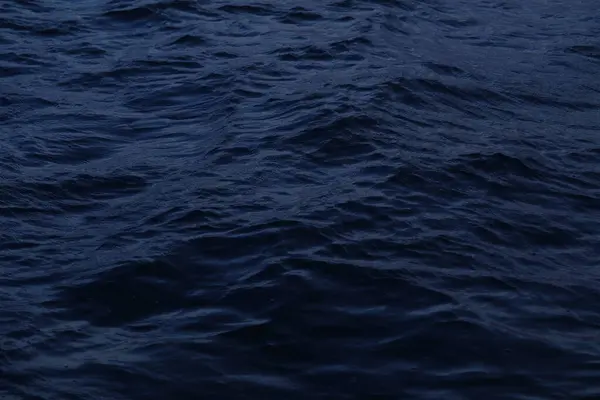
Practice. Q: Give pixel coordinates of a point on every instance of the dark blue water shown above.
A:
(299, 199)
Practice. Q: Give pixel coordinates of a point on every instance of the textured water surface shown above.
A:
(299, 199)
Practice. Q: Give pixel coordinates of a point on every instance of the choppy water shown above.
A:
(300, 200)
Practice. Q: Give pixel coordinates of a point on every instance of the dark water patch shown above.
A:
(586, 51)
(554, 103)
(299, 15)
(326, 136)
(246, 9)
(189, 40)
(127, 13)
(126, 294)
(70, 194)
(311, 53)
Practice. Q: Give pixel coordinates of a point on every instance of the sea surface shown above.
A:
(334, 199)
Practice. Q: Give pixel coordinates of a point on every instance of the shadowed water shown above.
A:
(302, 200)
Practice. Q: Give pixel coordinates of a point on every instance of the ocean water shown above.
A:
(339, 199)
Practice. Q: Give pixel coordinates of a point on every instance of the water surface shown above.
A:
(300, 200)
